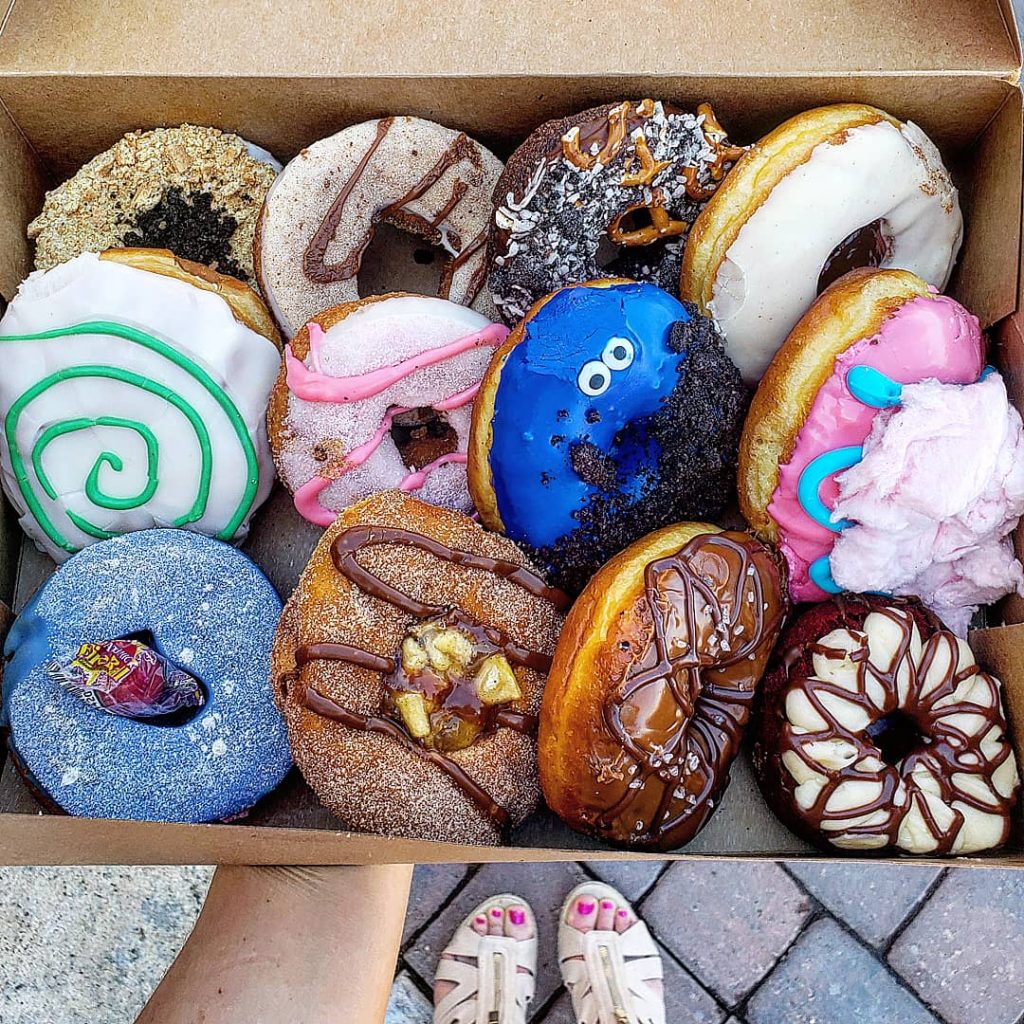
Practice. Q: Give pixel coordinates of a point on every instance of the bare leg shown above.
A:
(302, 945)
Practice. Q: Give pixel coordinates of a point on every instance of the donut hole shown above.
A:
(182, 716)
(398, 261)
(868, 246)
(422, 436)
(896, 735)
(639, 262)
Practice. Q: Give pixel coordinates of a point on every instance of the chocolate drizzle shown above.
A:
(460, 150)
(944, 750)
(678, 715)
(344, 549)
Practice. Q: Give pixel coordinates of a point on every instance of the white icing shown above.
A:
(947, 656)
(769, 276)
(199, 325)
(263, 155)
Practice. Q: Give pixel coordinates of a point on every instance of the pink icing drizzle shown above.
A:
(926, 338)
(415, 480)
(315, 386)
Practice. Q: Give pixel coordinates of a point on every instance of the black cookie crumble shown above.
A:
(191, 227)
(696, 432)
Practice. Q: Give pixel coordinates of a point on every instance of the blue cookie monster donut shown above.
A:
(211, 612)
(611, 410)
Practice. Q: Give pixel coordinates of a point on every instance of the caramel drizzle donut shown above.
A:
(343, 554)
(951, 793)
(710, 713)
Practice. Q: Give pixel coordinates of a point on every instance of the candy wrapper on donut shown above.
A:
(126, 678)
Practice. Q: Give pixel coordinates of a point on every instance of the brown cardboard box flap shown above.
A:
(326, 38)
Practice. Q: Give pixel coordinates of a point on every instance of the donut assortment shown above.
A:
(532, 585)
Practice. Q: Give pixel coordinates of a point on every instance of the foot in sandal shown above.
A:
(610, 963)
(487, 973)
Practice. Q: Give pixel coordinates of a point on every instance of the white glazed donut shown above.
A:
(134, 399)
(350, 373)
(829, 190)
(321, 213)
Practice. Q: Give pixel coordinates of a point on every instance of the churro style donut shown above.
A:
(878, 732)
(134, 395)
(195, 191)
(376, 394)
(632, 175)
(75, 685)
(829, 190)
(321, 213)
(409, 664)
(881, 455)
(653, 681)
(610, 410)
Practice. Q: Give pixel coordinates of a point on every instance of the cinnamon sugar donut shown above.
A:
(377, 394)
(409, 665)
(879, 732)
(321, 213)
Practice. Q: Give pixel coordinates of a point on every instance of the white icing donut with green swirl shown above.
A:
(130, 400)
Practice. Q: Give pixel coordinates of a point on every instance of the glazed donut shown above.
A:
(376, 394)
(829, 190)
(134, 395)
(195, 191)
(409, 664)
(652, 683)
(321, 213)
(208, 610)
(580, 182)
(610, 410)
(869, 386)
(878, 732)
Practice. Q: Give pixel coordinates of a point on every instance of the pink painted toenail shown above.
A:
(607, 904)
(480, 919)
(623, 913)
(495, 912)
(585, 907)
(517, 916)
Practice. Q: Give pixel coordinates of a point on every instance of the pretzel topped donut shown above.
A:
(880, 731)
(418, 644)
(652, 684)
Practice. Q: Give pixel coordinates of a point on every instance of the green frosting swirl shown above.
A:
(93, 490)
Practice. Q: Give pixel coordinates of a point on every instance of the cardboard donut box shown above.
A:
(74, 76)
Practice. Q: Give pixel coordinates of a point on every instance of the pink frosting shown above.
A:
(932, 337)
(934, 499)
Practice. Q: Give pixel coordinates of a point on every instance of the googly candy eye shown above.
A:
(594, 378)
(618, 354)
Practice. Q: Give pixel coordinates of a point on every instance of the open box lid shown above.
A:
(325, 38)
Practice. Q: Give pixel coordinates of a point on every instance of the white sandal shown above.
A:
(489, 988)
(608, 973)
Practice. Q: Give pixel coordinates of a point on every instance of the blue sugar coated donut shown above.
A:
(212, 613)
(617, 413)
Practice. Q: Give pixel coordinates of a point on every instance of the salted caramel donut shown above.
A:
(409, 665)
(652, 683)
(829, 190)
(631, 174)
(877, 731)
(323, 209)
(377, 394)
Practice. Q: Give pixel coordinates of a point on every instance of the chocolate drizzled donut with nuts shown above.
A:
(879, 732)
(409, 665)
(632, 175)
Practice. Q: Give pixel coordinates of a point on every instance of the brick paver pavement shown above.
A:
(762, 943)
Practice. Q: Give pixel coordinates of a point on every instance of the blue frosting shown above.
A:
(214, 614)
(574, 342)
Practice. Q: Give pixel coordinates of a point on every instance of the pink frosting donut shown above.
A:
(926, 338)
(335, 442)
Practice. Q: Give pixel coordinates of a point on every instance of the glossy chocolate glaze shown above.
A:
(868, 246)
(673, 723)
(461, 698)
(941, 747)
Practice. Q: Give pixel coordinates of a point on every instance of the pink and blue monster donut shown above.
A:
(615, 412)
(209, 611)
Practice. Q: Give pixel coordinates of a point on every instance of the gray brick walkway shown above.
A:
(743, 943)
